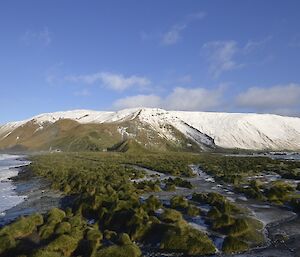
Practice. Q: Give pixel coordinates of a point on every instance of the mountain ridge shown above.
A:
(150, 126)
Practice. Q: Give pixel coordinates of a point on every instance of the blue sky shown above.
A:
(235, 56)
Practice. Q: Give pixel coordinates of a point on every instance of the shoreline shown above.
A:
(37, 193)
(10, 166)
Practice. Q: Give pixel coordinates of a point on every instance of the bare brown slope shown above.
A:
(63, 134)
(69, 135)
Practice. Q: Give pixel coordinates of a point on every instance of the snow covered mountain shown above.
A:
(246, 131)
(152, 128)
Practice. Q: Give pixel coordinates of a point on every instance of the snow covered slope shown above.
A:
(228, 130)
(81, 116)
(158, 118)
(246, 131)
(6, 129)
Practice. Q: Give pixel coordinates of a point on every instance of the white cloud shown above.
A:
(224, 55)
(85, 79)
(276, 96)
(53, 74)
(43, 37)
(50, 78)
(193, 99)
(221, 56)
(274, 99)
(195, 16)
(138, 101)
(173, 35)
(184, 79)
(83, 92)
(281, 99)
(253, 45)
(114, 81)
(120, 82)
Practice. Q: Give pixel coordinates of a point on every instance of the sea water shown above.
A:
(9, 167)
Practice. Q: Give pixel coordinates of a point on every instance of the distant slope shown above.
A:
(246, 131)
(65, 134)
(152, 129)
(98, 131)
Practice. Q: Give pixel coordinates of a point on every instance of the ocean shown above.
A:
(9, 167)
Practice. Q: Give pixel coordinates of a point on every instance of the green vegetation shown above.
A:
(227, 218)
(23, 226)
(279, 192)
(180, 203)
(177, 182)
(148, 185)
(233, 245)
(180, 237)
(6, 242)
(104, 193)
(252, 190)
(193, 210)
(109, 217)
(276, 192)
(237, 170)
(124, 248)
(120, 251)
